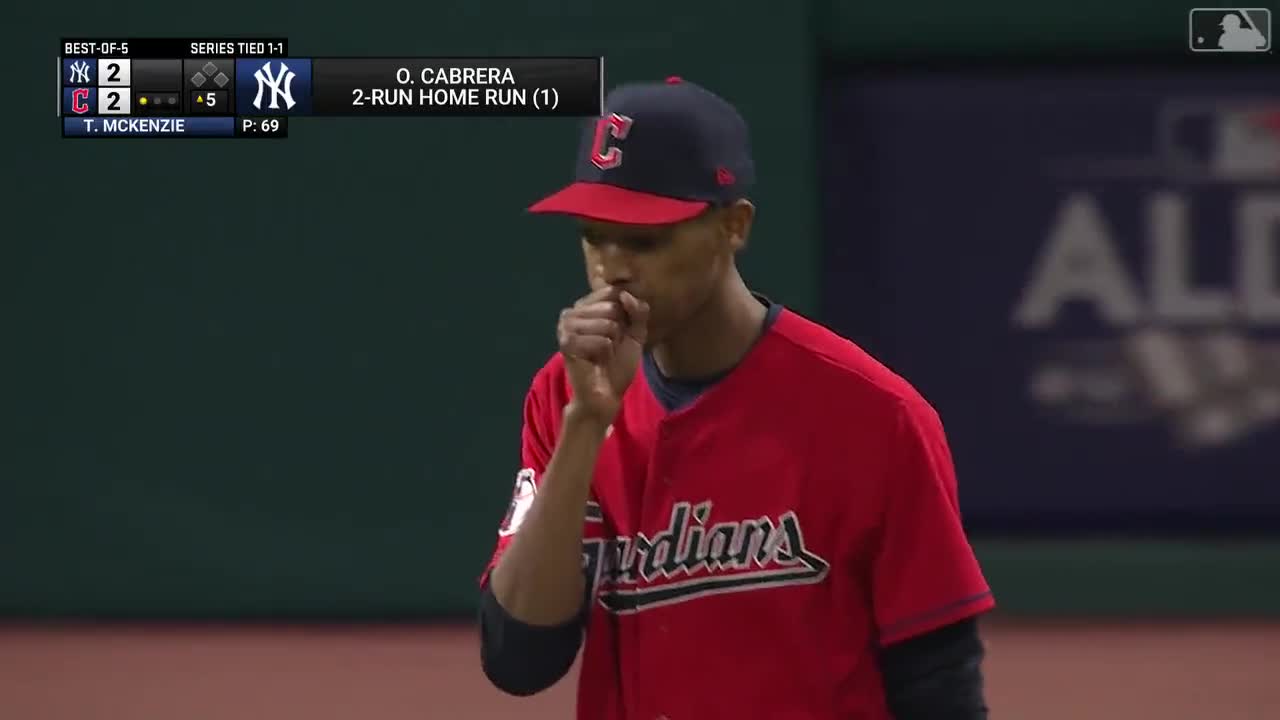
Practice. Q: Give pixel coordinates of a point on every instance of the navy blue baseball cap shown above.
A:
(661, 153)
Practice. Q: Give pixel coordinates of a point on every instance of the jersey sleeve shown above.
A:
(536, 444)
(924, 573)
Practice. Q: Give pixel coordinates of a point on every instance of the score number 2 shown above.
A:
(114, 95)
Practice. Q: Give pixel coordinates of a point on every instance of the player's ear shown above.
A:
(735, 223)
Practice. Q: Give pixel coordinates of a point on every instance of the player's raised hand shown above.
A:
(602, 337)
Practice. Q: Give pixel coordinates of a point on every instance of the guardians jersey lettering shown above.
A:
(630, 574)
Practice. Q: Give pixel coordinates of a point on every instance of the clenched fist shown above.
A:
(602, 337)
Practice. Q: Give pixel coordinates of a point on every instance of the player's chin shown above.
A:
(652, 338)
(654, 334)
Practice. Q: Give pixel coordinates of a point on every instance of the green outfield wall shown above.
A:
(285, 379)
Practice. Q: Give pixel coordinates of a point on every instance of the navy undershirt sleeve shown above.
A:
(937, 675)
(522, 659)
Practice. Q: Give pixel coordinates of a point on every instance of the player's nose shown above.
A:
(614, 266)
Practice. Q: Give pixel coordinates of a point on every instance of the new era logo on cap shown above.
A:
(662, 153)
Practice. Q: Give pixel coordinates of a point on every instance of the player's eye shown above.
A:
(644, 243)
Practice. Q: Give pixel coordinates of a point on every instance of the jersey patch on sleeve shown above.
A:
(521, 501)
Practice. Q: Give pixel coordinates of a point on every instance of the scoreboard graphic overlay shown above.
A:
(253, 87)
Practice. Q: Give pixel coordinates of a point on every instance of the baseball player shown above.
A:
(744, 514)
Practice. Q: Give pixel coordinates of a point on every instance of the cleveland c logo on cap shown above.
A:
(603, 155)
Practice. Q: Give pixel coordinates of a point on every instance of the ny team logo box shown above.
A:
(96, 87)
(275, 86)
(1244, 30)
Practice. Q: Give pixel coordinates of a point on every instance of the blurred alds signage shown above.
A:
(1082, 271)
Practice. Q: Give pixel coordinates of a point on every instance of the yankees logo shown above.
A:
(80, 73)
(280, 86)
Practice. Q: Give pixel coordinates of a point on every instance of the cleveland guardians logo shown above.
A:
(604, 155)
(80, 101)
(688, 559)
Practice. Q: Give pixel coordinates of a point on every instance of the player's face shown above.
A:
(674, 268)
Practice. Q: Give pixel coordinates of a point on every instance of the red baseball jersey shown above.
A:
(749, 552)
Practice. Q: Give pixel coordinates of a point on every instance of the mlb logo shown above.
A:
(79, 71)
(273, 86)
(1226, 141)
(1229, 30)
(521, 500)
